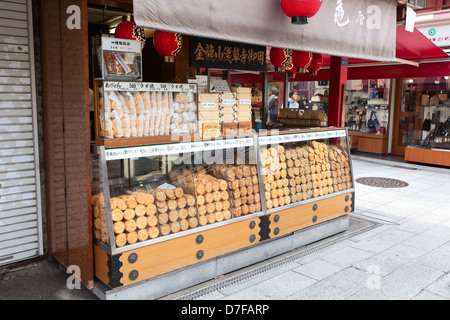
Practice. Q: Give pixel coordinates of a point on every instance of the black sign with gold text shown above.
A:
(210, 53)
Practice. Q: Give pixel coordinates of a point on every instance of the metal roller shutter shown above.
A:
(20, 205)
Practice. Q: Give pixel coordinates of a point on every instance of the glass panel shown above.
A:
(298, 171)
(426, 121)
(368, 105)
(307, 105)
(134, 110)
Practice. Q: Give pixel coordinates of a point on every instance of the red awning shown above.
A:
(411, 46)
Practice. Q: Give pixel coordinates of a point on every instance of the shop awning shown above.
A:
(362, 29)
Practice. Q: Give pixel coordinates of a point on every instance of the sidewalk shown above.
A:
(398, 247)
(400, 250)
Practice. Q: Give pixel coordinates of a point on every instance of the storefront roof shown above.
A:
(363, 29)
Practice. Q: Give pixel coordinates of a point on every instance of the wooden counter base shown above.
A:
(154, 260)
(366, 142)
(428, 156)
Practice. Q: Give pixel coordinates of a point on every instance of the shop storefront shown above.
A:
(168, 195)
(21, 234)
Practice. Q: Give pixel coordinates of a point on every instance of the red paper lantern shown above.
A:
(280, 58)
(301, 60)
(167, 44)
(128, 30)
(300, 11)
(291, 70)
(316, 64)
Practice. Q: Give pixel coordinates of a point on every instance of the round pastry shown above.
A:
(211, 218)
(215, 185)
(269, 204)
(217, 196)
(202, 220)
(226, 214)
(173, 215)
(190, 200)
(140, 210)
(202, 210)
(234, 184)
(225, 195)
(236, 194)
(121, 240)
(121, 204)
(182, 214)
(209, 186)
(172, 204)
(281, 201)
(184, 224)
(170, 194)
(218, 206)
(143, 198)
(200, 189)
(152, 221)
(226, 205)
(287, 200)
(131, 202)
(276, 204)
(178, 192)
(117, 215)
(163, 209)
(210, 208)
(151, 209)
(219, 216)
(239, 172)
(141, 222)
(222, 185)
(192, 212)
(129, 214)
(119, 227)
(153, 232)
(182, 203)
(165, 229)
(209, 198)
(237, 212)
(114, 203)
(163, 218)
(193, 222)
(237, 202)
(244, 200)
(142, 235)
(130, 225)
(175, 227)
(160, 196)
(200, 200)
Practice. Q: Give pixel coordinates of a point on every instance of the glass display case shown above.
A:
(301, 167)
(425, 120)
(149, 194)
(140, 109)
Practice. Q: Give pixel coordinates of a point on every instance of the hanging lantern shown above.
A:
(301, 60)
(280, 58)
(128, 30)
(291, 71)
(316, 64)
(167, 44)
(300, 11)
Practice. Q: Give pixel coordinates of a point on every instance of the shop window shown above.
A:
(428, 124)
(307, 105)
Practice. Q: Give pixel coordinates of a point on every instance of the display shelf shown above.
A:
(249, 212)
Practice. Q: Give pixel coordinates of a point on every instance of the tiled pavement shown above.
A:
(404, 255)
(398, 247)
